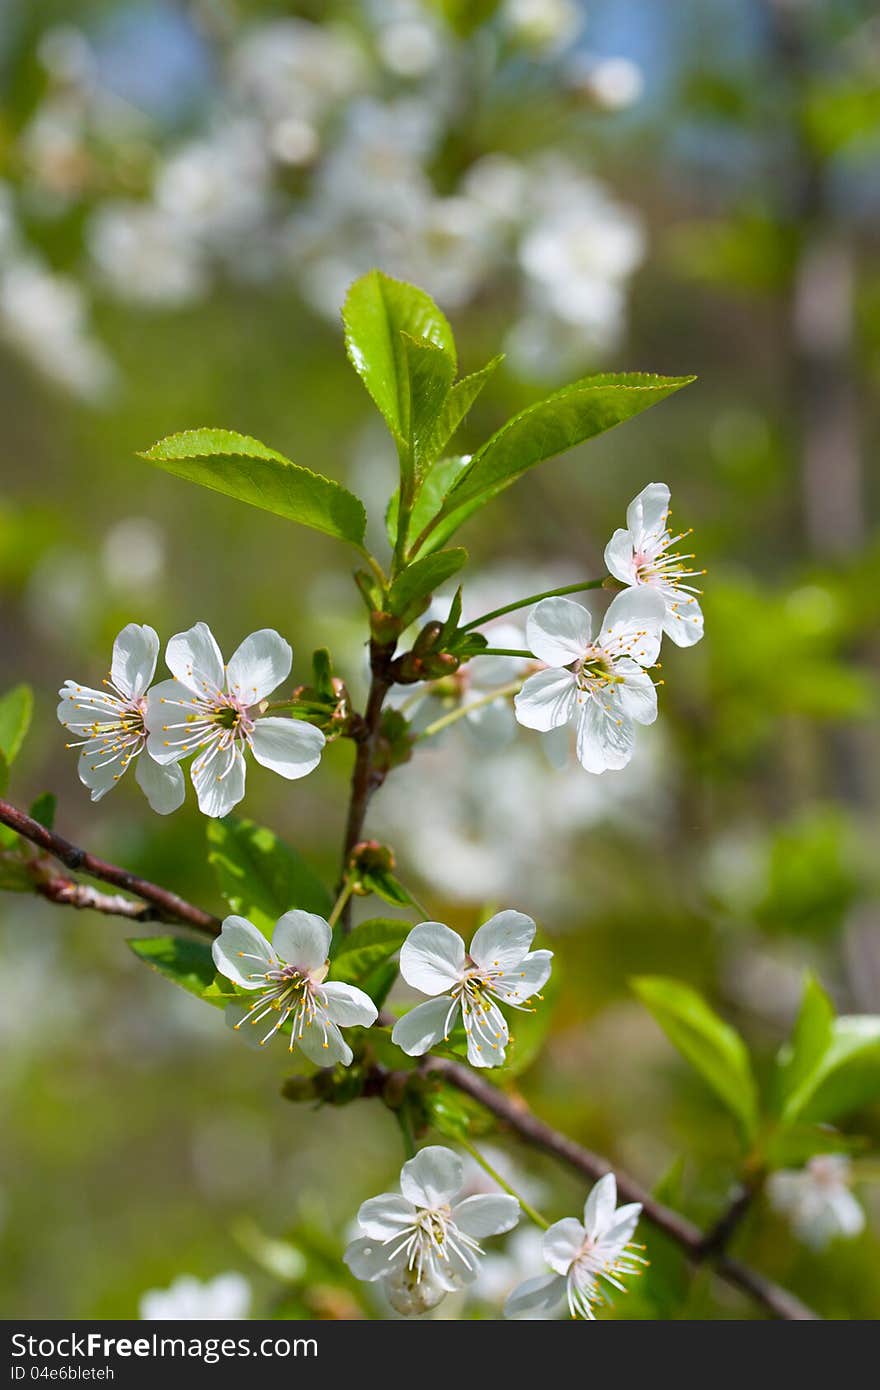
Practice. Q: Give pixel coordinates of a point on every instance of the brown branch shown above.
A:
(164, 906)
(69, 893)
(365, 777)
(514, 1113)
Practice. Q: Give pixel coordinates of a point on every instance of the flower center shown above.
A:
(291, 992)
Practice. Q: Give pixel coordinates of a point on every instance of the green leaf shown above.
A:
(370, 944)
(378, 983)
(259, 876)
(43, 809)
(413, 587)
(16, 708)
(791, 1148)
(430, 373)
(14, 876)
(549, 427)
(456, 406)
(377, 312)
(247, 470)
(844, 1077)
(711, 1046)
(529, 1029)
(428, 502)
(799, 1059)
(465, 16)
(188, 963)
(4, 773)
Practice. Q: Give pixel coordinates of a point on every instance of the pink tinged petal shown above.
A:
(302, 939)
(134, 659)
(529, 976)
(683, 621)
(385, 1216)
(605, 737)
(432, 1178)
(547, 700)
(486, 1215)
(218, 778)
(647, 514)
(194, 658)
(620, 557)
(170, 721)
(558, 631)
(348, 1006)
(99, 769)
(432, 959)
(367, 1259)
(323, 1044)
(289, 747)
(164, 787)
(503, 941)
(242, 953)
(418, 1031)
(563, 1243)
(633, 625)
(600, 1204)
(536, 1299)
(259, 665)
(636, 692)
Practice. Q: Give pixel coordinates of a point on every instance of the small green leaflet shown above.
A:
(413, 587)
(187, 963)
(249, 471)
(259, 876)
(16, 708)
(370, 944)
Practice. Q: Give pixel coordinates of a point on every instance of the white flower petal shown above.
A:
(620, 557)
(600, 1204)
(547, 700)
(562, 1243)
(558, 631)
(171, 707)
(636, 692)
(605, 737)
(536, 1298)
(259, 665)
(432, 959)
(218, 780)
(503, 941)
(432, 1178)
(324, 1045)
(487, 1033)
(81, 706)
(367, 1259)
(527, 978)
(164, 787)
(385, 1216)
(100, 770)
(194, 658)
(683, 621)
(242, 953)
(134, 659)
(620, 1231)
(417, 1031)
(646, 514)
(348, 1006)
(302, 939)
(289, 747)
(486, 1215)
(633, 625)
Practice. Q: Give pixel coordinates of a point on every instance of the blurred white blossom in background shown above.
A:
(224, 1299)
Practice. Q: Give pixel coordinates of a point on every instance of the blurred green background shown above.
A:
(662, 185)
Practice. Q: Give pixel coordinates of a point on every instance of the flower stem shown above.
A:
(344, 895)
(499, 693)
(503, 651)
(535, 598)
(496, 1176)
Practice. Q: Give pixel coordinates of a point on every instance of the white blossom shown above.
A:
(817, 1199)
(643, 554)
(110, 724)
(224, 1299)
(582, 1256)
(422, 1244)
(44, 316)
(217, 711)
(598, 685)
(290, 978)
(498, 966)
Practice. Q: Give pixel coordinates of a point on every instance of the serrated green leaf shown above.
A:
(799, 1058)
(249, 471)
(456, 406)
(578, 412)
(259, 876)
(188, 963)
(845, 1077)
(428, 501)
(43, 809)
(369, 945)
(379, 981)
(413, 587)
(711, 1046)
(16, 708)
(430, 372)
(377, 312)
